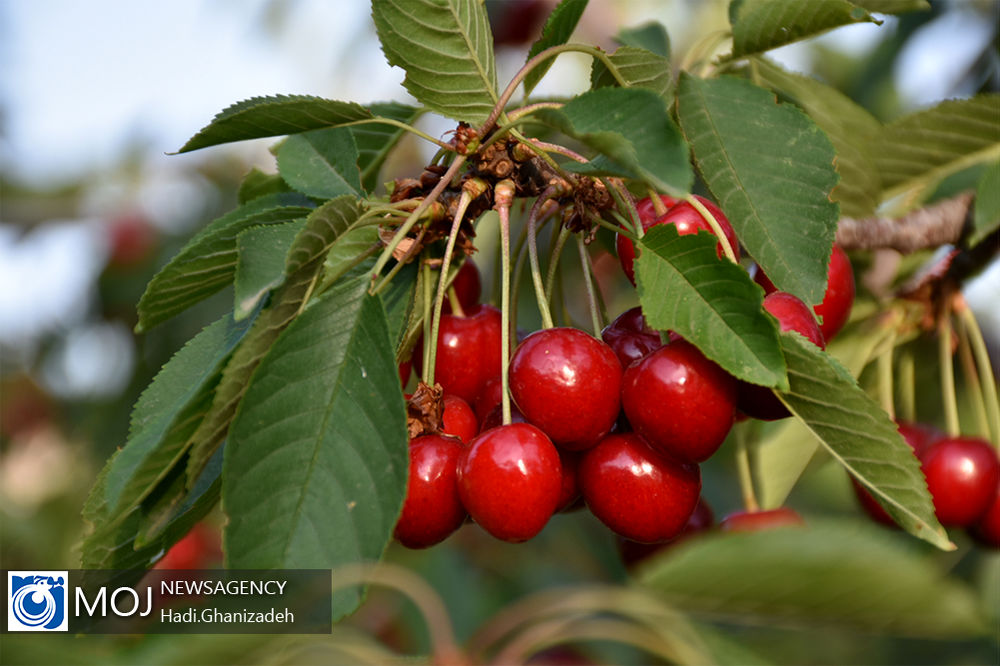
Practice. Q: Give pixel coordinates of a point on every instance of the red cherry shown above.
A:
(569, 490)
(567, 383)
(757, 521)
(637, 492)
(468, 352)
(200, 548)
(458, 419)
(792, 315)
(647, 217)
(839, 295)
(404, 372)
(682, 403)
(633, 552)
(962, 474)
(510, 480)
(918, 436)
(986, 530)
(133, 240)
(647, 211)
(489, 397)
(495, 418)
(467, 285)
(630, 338)
(432, 509)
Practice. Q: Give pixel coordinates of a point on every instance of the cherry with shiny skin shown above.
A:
(701, 520)
(647, 217)
(637, 492)
(468, 287)
(432, 509)
(495, 418)
(510, 481)
(567, 383)
(792, 315)
(569, 489)
(489, 397)
(468, 352)
(962, 474)
(629, 337)
(986, 530)
(682, 403)
(458, 419)
(758, 521)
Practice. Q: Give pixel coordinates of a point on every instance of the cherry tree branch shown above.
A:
(935, 225)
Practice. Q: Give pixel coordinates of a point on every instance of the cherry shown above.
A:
(629, 337)
(133, 239)
(567, 383)
(792, 315)
(432, 509)
(489, 397)
(570, 489)
(495, 417)
(404, 372)
(200, 548)
(637, 492)
(986, 531)
(839, 295)
(510, 481)
(686, 218)
(458, 419)
(467, 285)
(918, 436)
(962, 475)
(701, 520)
(647, 217)
(757, 521)
(468, 352)
(681, 402)
(647, 210)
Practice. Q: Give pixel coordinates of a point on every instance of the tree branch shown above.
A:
(929, 227)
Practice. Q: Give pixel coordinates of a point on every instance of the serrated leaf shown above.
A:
(376, 140)
(640, 68)
(771, 169)
(711, 302)
(260, 263)
(303, 269)
(860, 436)
(919, 150)
(651, 36)
(852, 130)
(258, 184)
(986, 218)
(633, 132)
(894, 6)
(557, 30)
(446, 49)
(316, 462)
(761, 25)
(830, 574)
(275, 115)
(207, 263)
(321, 163)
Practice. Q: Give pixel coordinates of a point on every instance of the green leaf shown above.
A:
(208, 262)
(316, 462)
(632, 130)
(557, 30)
(258, 184)
(260, 264)
(851, 129)
(761, 25)
(276, 115)
(894, 6)
(640, 68)
(920, 150)
(303, 269)
(446, 48)
(321, 163)
(860, 436)
(986, 218)
(830, 574)
(711, 302)
(375, 140)
(771, 170)
(651, 36)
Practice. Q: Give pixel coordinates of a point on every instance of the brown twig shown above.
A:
(929, 227)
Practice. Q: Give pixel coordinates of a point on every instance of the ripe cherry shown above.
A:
(495, 417)
(838, 298)
(630, 337)
(132, 240)
(918, 436)
(682, 403)
(467, 285)
(570, 488)
(468, 352)
(986, 530)
(510, 481)
(757, 521)
(637, 492)
(489, 397)
(647, 217)
(633, 552)
(792, 315)
(458, 419)
(200, 548)
(404, 372)
(962, 475)
(432, 509)
(567, 383)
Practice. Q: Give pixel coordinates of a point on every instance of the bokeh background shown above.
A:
(94, 97)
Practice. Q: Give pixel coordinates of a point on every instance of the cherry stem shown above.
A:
(906, 368)
(405, 259)
(403, 126)
(947, 370)
(454, 302)
(658, 205)
(588, 268)
(716, 228)
(624, 202)
(556, 148)
(744, 473)
(885, 384)
(983, 362)
(544, 156)
(536, 272)
(503, 197)
(971, 376)
(463, 203)
(428, 305)
(554, 255)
